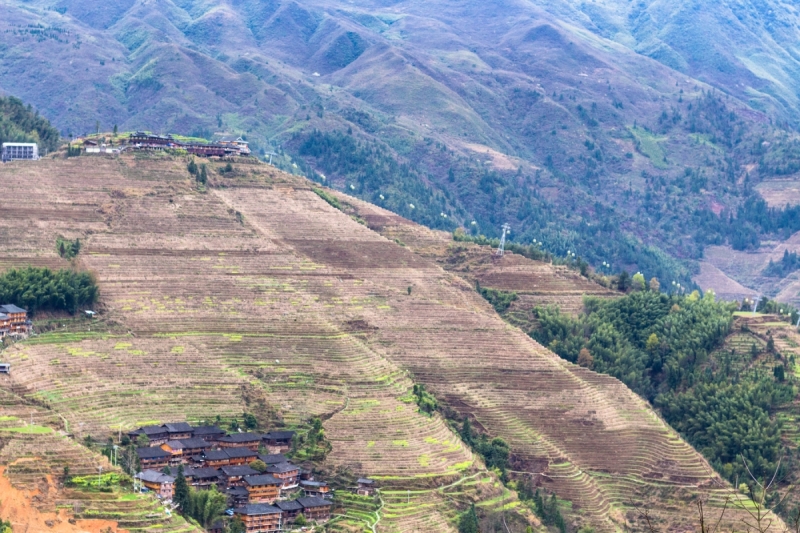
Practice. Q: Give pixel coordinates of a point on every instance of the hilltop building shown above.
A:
(20, 152)
(238, 143)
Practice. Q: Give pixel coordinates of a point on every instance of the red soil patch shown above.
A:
(17, 506)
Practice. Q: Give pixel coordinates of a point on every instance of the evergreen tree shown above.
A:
(181, 496)
(466, 432)
(468, 522)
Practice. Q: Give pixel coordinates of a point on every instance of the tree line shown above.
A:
(667, 348)
(42, 289)
(20, 123)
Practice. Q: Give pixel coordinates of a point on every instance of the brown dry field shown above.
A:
(778, 193)
(296, 299)
(729, 269)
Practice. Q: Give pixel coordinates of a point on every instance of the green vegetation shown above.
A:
(331, 199)
(788, 264)
(42, 289)
(425, 400)
(205, 506)
(200, 173)
(19, 123)
(500, 300)
(5, 526)
(495, 451)
(468, 521)
(310, 445)
(67, 248)
(661, 346)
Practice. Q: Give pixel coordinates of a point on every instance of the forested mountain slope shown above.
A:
(260, 289)
(628, 133)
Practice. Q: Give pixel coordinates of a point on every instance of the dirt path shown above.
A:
(15, 505)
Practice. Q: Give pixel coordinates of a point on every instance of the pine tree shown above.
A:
(181, 496)
(466, 432)
(468, 523)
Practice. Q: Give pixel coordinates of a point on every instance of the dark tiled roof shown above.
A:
(281, 468)
(195, 443)
(273, 459)
(204, 473)
(234, 453)
(278, 435)
(11, 308)
(314, 501)
(178, 427)
(241, 437)
(293, 505)
(232, 471)
(365, 481)
(263, 479)
(215, 455)
(153, 476)
(153, 430)
(314, 483)
(175, 444)
(207, 430)
(257, 509)
(152, 453)
(237, 491)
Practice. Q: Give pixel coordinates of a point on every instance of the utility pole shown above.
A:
(502, 248)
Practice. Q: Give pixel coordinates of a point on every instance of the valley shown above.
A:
(619, 132)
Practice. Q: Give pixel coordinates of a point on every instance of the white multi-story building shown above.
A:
(20, 151)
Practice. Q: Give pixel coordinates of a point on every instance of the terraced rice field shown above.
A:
(262, 285)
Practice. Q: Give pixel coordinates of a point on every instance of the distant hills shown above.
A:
(627, 133)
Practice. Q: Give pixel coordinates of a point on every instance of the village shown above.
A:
(263, 487)
(226, 146)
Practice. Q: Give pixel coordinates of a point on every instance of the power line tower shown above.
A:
(501, 250)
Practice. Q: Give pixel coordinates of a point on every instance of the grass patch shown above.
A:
(648, 145)
(28, 430)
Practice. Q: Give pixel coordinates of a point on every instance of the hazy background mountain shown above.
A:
(639, 134)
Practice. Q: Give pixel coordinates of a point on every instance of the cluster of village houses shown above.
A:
(227, 146)
(266, 501)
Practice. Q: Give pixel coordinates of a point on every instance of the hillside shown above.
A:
(259, 288)
(620, 131)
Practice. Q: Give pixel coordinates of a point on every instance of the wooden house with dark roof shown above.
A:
(366, 487)
(161, 484)
(178, 430)
(233, 476)
(260, 518)
(237, 496)
(262, 488)
(240, 456)
(278, 441)
(287, 473)
(153, 458)
(238, 440)
(290, 510)
(183, 450)
(157, 435)
(320, 489)
(199, 478)
(15, 322)
(316, 508)
(208, 433)
(273, 458)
